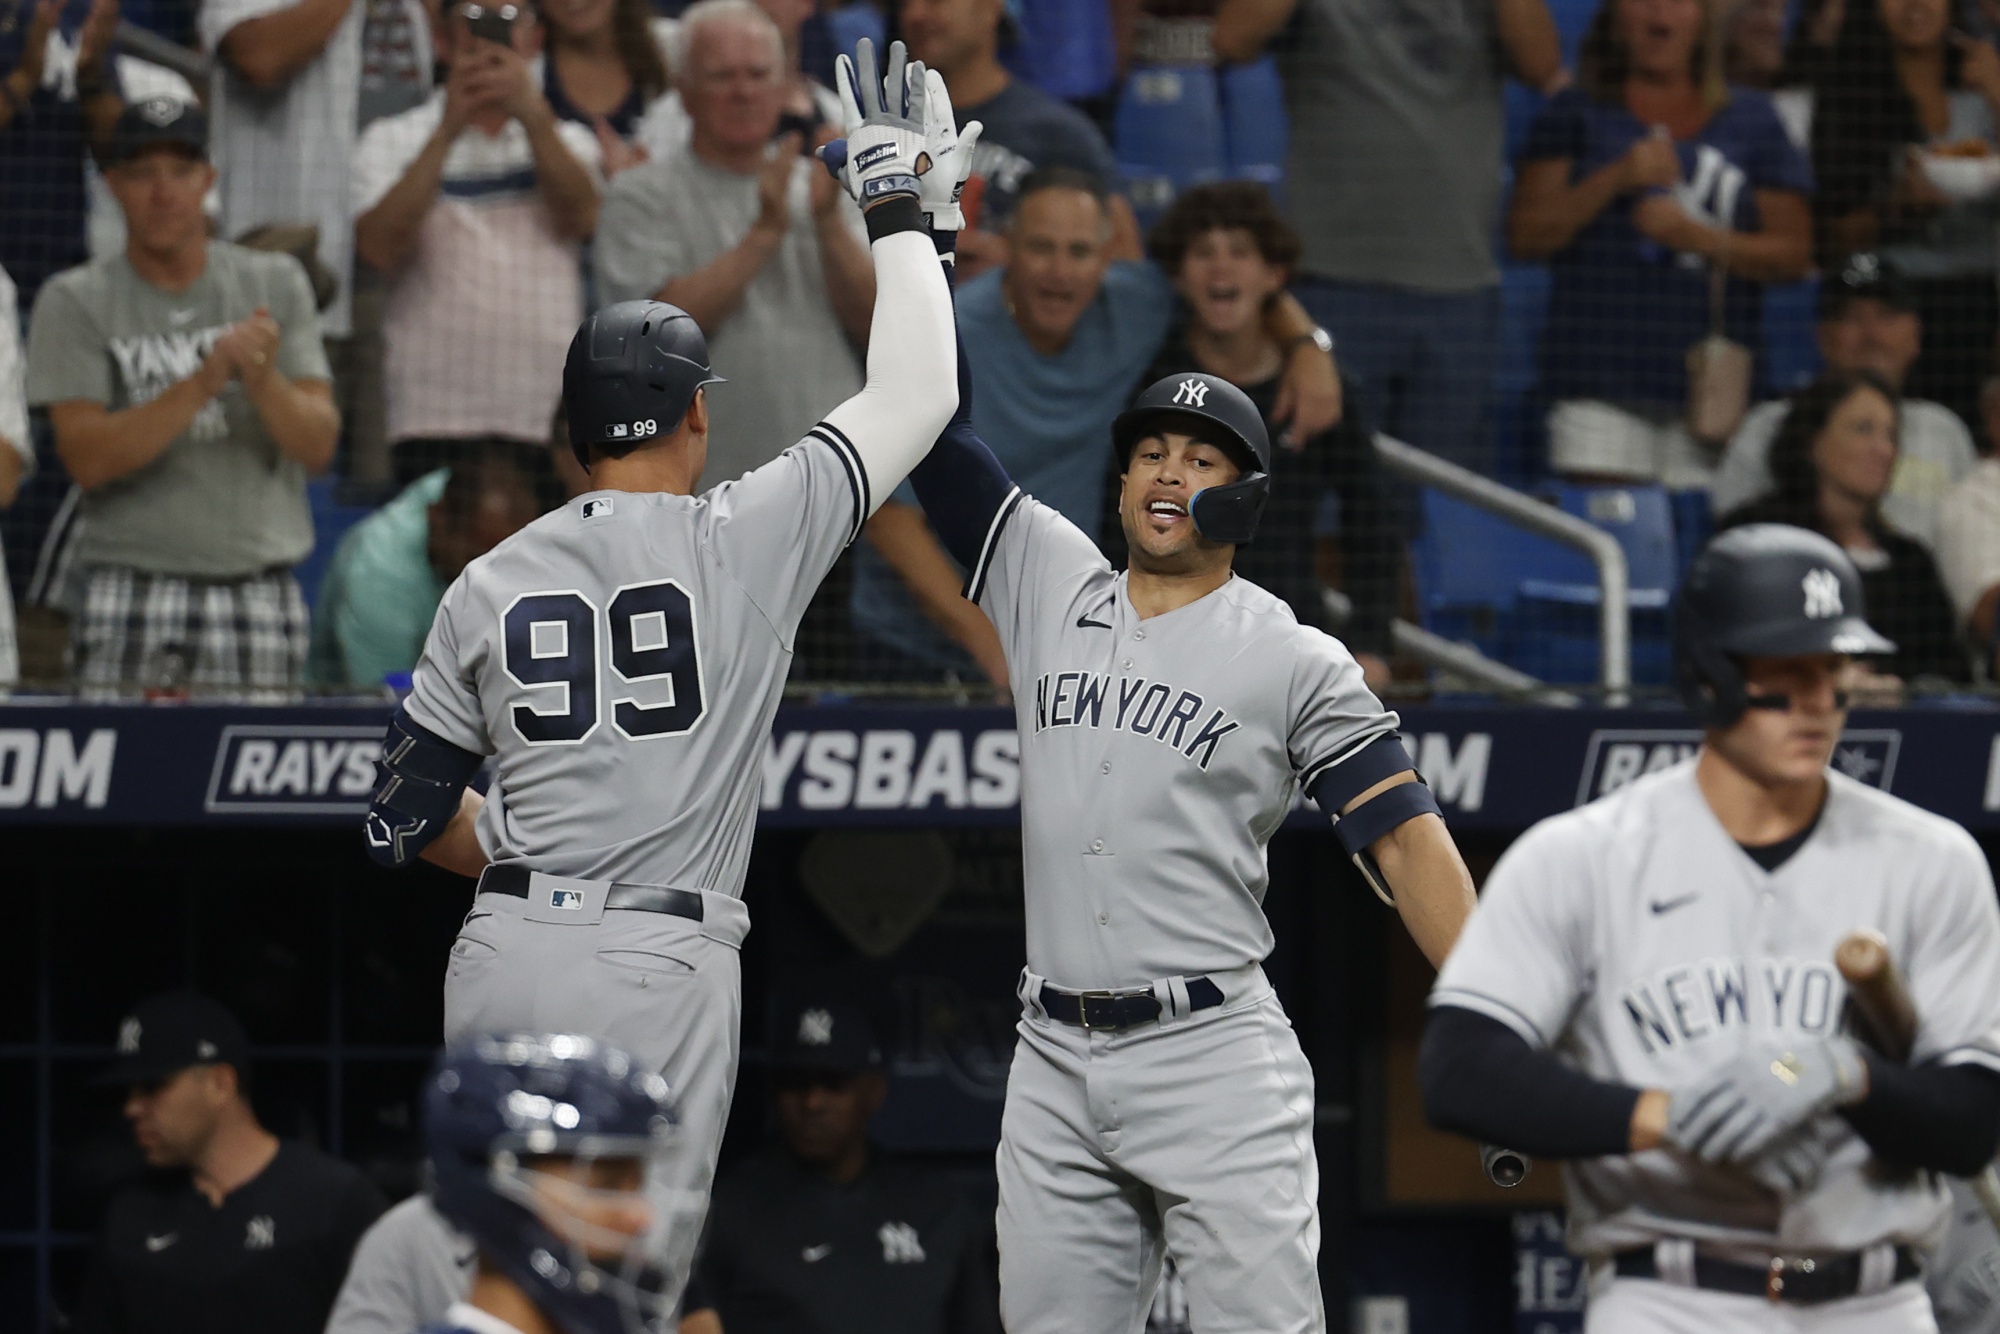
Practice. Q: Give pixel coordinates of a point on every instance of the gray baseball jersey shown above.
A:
(1637, 940)
(1158, 756)
(623, 657)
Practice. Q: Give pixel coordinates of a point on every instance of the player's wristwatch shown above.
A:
(1317, 336)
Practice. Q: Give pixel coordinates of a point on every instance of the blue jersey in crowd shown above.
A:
(1025, 128)
(1623, 310)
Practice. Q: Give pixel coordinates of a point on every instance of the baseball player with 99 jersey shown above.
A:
(1648, 989)
(622, 660)
(1159, 1101)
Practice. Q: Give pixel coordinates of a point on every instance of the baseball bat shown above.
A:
(1505, 1168)
(1886, 1018)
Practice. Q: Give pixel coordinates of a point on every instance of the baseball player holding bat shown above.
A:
(1159, 1101)
(1648, 990)
(622, 658)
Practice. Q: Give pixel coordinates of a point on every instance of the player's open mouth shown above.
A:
(1165, 513)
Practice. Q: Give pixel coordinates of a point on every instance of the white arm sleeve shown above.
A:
(912, 387)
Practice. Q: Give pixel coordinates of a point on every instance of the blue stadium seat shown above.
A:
(331, 520)
(1694, 524)
(1167, 134)
(1065, 48)
(1254, 126)
(1531, 601)
(1558, 636)
(1791, 347)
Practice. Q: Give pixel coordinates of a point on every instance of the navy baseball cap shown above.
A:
(166, 1034)
(831, 1035)
(1864, 276)
(158, 122)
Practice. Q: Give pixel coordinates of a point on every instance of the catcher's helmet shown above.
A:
(496, 1103)
(631, 373)
(1763, 590)
(1216, 412)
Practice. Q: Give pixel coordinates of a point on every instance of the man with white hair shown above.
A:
(750, 237)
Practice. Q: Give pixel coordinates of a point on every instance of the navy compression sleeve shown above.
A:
(961, 486)
(1480, 1078)
(1944, 1117)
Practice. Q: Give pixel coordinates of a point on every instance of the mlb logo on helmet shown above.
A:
(619, 430)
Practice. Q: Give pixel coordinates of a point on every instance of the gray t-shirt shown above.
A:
(1396, 140)
(1639, 942)
(221, 501)
(784, 354)
(406, 1272)
(622, 658)
(1158, 756)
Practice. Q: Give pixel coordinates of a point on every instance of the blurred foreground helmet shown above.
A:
(495, 1110)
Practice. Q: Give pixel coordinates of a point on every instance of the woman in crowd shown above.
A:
(1832, 461)
(1637, 182)
(1229, 254)
(1898, 79)
(603, 66)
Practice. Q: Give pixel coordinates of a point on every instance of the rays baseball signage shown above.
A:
(1498, 769)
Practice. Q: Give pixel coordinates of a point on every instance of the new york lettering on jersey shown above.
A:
(1158, 755)
(1638, 937)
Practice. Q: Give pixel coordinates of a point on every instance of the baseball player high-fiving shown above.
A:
(1648, 989)
(622, 660)
(1159, 1101)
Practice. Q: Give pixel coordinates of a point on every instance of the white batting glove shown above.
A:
(883, 116)
(950, 150)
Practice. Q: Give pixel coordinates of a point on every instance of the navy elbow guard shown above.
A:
(1387, 810)
(421, 776)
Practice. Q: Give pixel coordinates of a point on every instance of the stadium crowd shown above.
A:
(1598, 277)
(1715, 249)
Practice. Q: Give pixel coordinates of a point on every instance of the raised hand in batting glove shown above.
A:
(950, 150)
(1745, 1105)
(884, 155)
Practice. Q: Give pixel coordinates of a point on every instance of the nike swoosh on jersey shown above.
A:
(1660, 909)
(1085, 623)
(812, 1255)
(180, 316)
(161, 1243)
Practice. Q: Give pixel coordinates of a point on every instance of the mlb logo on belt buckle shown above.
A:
(571, 899)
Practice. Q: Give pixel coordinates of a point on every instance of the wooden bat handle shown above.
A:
(1876, 991)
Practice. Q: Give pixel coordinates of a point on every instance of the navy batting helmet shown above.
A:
(631, 373)
(1763, 590)
(496, 1104)
(1216, 412)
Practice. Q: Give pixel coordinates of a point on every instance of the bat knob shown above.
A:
(1505, 1168)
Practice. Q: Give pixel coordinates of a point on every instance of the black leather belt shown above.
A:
(513, 882)
(1115, 1010)
(1799, 1280)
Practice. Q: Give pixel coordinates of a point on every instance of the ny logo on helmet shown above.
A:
(1822, 588)
(815, 1028)
(1191, 392)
